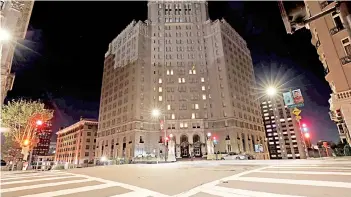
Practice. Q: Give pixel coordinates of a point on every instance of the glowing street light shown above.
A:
(209, 134)
(155, 113)
(4, 35)
(103, 158)
(271, 91)
(307, 135)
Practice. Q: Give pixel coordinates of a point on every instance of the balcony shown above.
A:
(336, 30)
(345, 60)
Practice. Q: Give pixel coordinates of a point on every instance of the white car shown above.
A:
(233, 156)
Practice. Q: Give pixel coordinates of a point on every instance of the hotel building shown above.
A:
(196, 71)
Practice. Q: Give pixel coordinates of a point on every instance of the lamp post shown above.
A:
(157, 113)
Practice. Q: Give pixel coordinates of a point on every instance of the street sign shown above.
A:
(296, 111)
(298, 118)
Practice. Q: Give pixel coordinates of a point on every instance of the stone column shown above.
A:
(210, 150)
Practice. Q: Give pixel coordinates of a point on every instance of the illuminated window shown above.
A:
(179, 80)
(167, 72)
(159, 98)
(159, 89)
(203, 88)
(193, 116)
(196, 106)
(168, 107)
(183, 80)
(173, 116)
(202, 79)
(204, 97)
(171, 72)
(159, 80)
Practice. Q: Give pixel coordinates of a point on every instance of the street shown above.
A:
(289, 178)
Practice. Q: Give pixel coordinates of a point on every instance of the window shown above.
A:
(167, 72)
(204, 97)
(160, 80)
(196, 106)
(168, 107)
(159, 98)
(88, 133)
(171, 72)
(179, 80)
(159, 89)
(192, 115)
(183, 80)
(86, 154)
(203, 88)
(173, 116)
(88, 140)
(202, 79)
(337, 20)
(347, 45)
(87, 147)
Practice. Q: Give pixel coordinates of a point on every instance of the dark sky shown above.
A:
(62, 58)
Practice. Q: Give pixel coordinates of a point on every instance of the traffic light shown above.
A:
(39, 122)
(26, 142)
(293, 13)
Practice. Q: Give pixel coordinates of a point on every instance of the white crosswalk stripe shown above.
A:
(297, 178)
(11, 183)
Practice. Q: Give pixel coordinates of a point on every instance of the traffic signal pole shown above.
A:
(344, 7)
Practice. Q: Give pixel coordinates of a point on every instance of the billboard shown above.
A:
(293, 98)
(258, 148)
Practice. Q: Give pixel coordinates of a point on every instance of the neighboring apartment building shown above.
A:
(198, 72)
(333, 45)
(76, 143)
(45, 133)
(52, 147)
(15, 17)
(284, 138)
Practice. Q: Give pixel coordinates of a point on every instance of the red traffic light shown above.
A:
(307, 135)
(39, 122)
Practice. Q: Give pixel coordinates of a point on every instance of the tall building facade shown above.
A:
(284, 137)
(333, 45)
(76, 143)
(45, 133)
(14, 19)
(197, 72)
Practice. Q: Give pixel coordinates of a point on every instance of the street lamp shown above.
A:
(271, 91)
(157, 113)
(4, 35)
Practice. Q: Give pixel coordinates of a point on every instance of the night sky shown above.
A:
(61, 60)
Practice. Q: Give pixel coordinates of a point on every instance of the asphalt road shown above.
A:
(291, 178)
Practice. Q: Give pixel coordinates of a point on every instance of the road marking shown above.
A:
(211, 184)
(314, 167)
(43, 179)
(295, 182)
(72, 191)
(24, 177)
(240, 192)
(133, 194)
(130, 187)
(33, 175)
(305, 172)
(43, 185)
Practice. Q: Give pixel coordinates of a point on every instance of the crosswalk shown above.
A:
(281, 181)
(64, 184)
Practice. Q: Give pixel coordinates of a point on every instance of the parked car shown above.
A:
(3, 162)
(234, 156)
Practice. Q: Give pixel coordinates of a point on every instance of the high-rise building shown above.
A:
(14, 20)
(284, 137)
(44, 135)
(333, 45)
(76, 143)
(197, 72)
